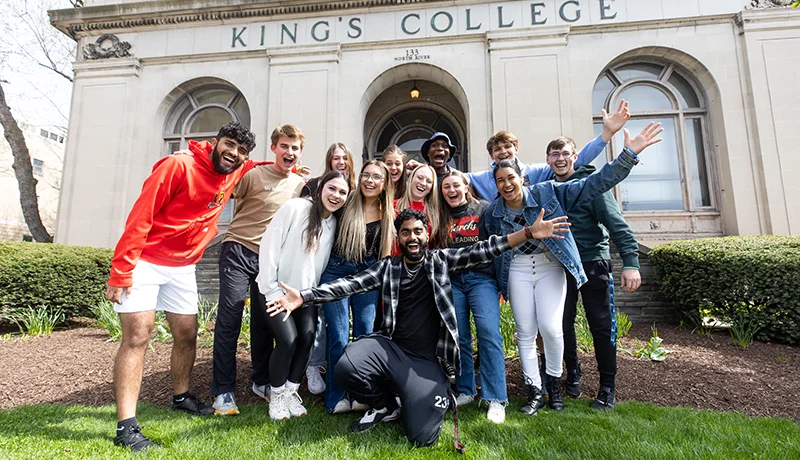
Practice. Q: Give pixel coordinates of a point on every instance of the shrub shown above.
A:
(67, 278)
(757, 275)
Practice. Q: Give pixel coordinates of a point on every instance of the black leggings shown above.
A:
(293, 341)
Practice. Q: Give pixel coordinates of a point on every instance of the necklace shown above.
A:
(411, 273)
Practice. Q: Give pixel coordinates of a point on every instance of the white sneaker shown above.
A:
(316, 384)
(356, 406)
(225, 404)
(342, 407)
(497, 412)
(262, 391)
(463, 400)
(295, 403)
(279, 405)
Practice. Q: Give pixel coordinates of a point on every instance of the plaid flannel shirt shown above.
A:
(385, 275)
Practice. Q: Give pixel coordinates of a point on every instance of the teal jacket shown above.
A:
(591, 237)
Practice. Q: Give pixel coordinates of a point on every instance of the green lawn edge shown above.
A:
(632, 430)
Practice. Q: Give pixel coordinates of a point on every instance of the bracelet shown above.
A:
(528, 234)
(630, 152)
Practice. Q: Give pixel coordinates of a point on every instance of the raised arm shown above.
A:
(363, 281)
(579, 192)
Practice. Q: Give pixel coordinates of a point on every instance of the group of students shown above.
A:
(347, 248)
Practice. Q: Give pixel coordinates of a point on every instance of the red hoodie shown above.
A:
(175, 217)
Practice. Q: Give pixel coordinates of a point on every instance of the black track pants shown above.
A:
(598, 302)
(293, 341)
(373, 367)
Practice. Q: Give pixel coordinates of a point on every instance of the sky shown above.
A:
(37, 95)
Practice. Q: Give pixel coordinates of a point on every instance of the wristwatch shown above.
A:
(528, 233)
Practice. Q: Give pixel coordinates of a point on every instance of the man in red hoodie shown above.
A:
(167, 230)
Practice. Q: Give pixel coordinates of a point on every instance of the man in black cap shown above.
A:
(437, 151)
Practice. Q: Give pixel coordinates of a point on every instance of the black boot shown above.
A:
(535, 401)
(555, 400)
(572, 387)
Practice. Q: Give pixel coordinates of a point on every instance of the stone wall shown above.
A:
(645, 305)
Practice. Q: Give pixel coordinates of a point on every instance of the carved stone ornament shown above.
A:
(763, 4)
(113, 48)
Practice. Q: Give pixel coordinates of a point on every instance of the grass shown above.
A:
(632, 430)
(37, 320)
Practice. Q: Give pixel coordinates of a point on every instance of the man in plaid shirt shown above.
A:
(417, 328)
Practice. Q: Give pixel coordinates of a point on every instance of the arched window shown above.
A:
(410, 128)
(674, 175)
(199, 115)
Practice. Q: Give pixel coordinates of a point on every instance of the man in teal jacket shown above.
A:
(591, 225)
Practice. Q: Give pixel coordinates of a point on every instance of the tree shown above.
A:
(29, 39)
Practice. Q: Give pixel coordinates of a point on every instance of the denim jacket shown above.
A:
(556, 198)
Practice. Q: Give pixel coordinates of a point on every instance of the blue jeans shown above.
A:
(337, 317)
(477, 292)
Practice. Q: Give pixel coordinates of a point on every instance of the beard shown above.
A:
(423, 245)
(216, 160)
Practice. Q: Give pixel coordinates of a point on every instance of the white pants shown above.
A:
(537, 288)
(158, 287)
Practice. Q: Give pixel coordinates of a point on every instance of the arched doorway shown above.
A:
(395, 118)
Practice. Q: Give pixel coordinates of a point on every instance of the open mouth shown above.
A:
(334, 202)
(509, 190)
(228, 159)
(288, 161)
(369, 186)
(413, 247)
(422, 189)
(342, 168)
(503, 156)
(560, 164)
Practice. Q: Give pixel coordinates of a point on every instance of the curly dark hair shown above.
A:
(410, 214)
(236, 130)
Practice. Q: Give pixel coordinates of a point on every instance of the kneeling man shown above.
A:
(417, 328)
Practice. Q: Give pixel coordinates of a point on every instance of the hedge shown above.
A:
(72, 278)
(729, 277)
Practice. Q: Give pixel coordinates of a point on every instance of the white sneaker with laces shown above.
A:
(262, 391)
(295, 403)
(279, 405)
(316, 384)
(463, 400)
(342, 407)
(225, 404)
(497, 412)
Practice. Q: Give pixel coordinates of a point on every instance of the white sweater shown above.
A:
(283, 255)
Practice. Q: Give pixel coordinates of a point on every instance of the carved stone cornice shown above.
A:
(764, 4)
(77, 22)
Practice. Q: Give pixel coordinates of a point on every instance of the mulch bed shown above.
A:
(74, 366)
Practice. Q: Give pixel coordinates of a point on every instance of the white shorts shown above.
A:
(158, 287)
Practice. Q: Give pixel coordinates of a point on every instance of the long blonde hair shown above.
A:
(400, 188)
(352, 239)
(431, 202)
(351, 174)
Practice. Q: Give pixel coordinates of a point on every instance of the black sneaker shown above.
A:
(554, 400)
(374, 416)
(535, 401)
(605, 399)
(192, 405)
(133, 439)
(572, 387)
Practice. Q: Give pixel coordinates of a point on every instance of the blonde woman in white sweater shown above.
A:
(295, 251)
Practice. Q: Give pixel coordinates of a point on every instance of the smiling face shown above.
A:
(562, 161)
(228, 155)
(509, 184)
(412, 239)
(334, 194)
(439, 154)
(368, 183)
(287, 152)
(504, 150)
(421, 183)
(454, 191)
(394, 161)
(339, 161)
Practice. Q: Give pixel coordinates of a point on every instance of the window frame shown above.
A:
(681, 115)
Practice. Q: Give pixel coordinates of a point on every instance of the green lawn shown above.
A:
(632, 430)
